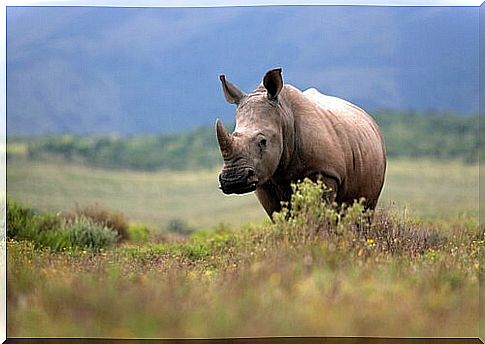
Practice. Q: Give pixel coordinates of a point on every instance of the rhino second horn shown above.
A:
(223, 138)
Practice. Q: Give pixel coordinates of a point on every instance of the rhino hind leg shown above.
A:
(370, 204)
(329, 182)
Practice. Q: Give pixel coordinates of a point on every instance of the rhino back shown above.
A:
(341, 139)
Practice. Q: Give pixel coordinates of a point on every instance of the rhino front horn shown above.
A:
(223, 138)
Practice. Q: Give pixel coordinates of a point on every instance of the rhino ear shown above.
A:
(231, 92)
(273, 82)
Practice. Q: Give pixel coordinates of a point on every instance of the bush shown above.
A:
(104, 217)
(24, 223)
(307, 218)
(307, 213)
(179, 227)
(138, 232)
(85, 232)
(55, 232)
(18, 219)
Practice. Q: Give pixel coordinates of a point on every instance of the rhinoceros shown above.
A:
(283, 135)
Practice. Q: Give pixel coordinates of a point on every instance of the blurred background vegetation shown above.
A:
(408, 134)
(169, 182)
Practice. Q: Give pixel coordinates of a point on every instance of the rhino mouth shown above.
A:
(237, 189)
(231, 183)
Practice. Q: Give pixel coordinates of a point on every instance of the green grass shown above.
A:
(295, 278)
(155, 198)
(428, 189)
(433, 189)
(301, 276)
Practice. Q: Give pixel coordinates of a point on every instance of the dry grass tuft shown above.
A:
(400, 236)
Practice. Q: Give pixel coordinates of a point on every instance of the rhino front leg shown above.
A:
(270, 196)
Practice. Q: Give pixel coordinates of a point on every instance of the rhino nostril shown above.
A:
(250, 173)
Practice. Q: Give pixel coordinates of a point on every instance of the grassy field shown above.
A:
(297, 277)
(154, 198)
(427, 189)
(413, 273)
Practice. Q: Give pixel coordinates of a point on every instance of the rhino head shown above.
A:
(252, 152)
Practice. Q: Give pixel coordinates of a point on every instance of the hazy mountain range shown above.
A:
(155, 70)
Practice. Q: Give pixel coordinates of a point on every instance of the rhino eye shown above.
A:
(262, 142)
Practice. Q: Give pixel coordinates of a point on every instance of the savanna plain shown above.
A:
(195, 263)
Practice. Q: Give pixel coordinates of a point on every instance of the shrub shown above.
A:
(104, 217)
(19, 219)
(308, 218)
(138, 232)
(307, 213)
(24, 223)
(55, 232)
(179, 227)
(85, 232)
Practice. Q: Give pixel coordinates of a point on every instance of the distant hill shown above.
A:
(439, 136)
(98, 70)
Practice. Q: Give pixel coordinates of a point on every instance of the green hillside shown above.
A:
(432, 135)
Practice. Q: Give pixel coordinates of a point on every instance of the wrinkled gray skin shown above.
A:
(283, 135)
